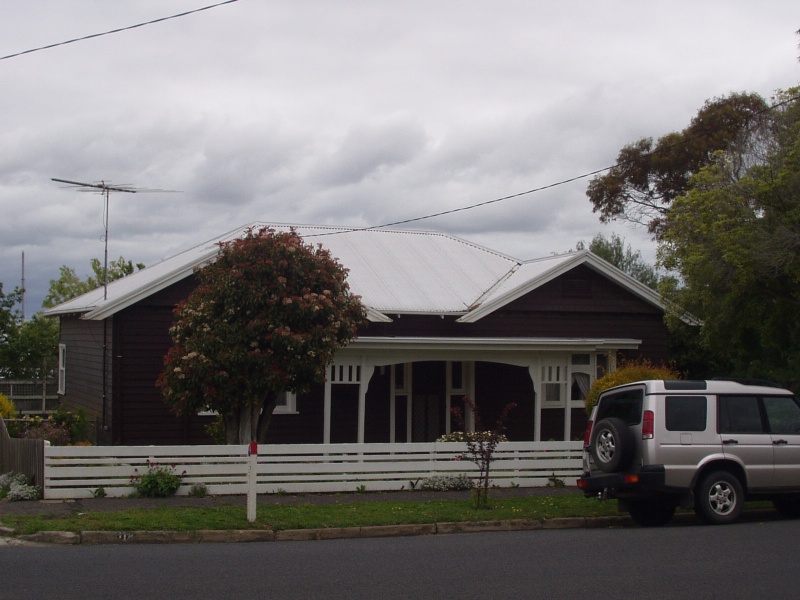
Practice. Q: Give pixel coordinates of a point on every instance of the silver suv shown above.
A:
(706, 445)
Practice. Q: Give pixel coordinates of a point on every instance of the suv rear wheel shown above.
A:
(652, 512)
(612, 445)
(719, 498)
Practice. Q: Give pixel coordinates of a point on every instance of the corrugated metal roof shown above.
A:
(393, 271)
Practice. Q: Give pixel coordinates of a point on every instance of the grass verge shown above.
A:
(313, 516)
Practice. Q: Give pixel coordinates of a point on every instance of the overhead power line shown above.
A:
(543, 187)
(119, 30)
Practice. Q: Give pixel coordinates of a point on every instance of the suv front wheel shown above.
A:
(719, 498)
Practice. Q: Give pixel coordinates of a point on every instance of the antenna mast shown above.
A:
(23, 285)
(105, 189)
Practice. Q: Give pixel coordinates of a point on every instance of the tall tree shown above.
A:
(649, 175)
(69, 285)
(28, 350)
(734, 239)
(267, 316)
(623, 257)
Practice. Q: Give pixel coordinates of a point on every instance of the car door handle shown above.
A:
(780, 442)
(730, 441)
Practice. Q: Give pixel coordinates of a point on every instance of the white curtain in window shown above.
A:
(580, 385)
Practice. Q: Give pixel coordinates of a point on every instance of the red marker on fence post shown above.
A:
(252, 480)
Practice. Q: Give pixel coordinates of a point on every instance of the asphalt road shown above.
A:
(745, 560)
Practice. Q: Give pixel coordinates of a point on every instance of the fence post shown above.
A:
(252, 480)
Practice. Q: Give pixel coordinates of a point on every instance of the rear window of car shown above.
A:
(625, 405)
(685, 413)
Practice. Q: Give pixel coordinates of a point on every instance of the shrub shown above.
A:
(160, 481)
(481, 447)
(629, 371)
(14, 488)
(57, 435)
(76, 423)
(198, 490)
(216, 429)
(9, 411)
(7, 408)
(447, 483)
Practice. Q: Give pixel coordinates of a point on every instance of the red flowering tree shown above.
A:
(267, 316)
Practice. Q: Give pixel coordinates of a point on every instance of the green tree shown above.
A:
(28, 350)
(267, 316)
(69, 285)
(9, 315)
(734, 239)
(623, 257)
(649, 175)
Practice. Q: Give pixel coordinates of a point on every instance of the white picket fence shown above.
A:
(78, 471)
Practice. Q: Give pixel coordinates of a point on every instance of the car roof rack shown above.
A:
(750, 381)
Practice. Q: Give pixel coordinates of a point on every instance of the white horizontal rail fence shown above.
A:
(78, 471)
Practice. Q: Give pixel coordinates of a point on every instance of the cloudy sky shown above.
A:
(355, 113)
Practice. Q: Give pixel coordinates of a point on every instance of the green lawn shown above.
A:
(309, 516)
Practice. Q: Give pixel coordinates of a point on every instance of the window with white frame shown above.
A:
(286, 404)
(554, 383)
(62, 369)
(581, 377)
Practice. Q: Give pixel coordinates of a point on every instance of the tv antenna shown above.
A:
(105, 189)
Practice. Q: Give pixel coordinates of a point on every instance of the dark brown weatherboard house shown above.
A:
(447, 319)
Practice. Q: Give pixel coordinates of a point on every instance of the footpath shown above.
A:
(56, 508)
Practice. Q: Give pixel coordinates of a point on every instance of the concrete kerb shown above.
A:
(268, 535)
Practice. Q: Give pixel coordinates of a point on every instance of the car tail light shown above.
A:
(647, 425)
(587, 436)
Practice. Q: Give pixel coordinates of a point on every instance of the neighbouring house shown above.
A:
(447, 319)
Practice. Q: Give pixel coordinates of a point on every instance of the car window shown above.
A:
(783, 414)
(740, 414)
(685, 413)
(625, 405)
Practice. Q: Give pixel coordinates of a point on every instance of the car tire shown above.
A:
(788, 506)
(652, 512)
(719, 498)
(611, 445)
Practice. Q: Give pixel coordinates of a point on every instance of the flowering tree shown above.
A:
(481, 445)
(267, 317)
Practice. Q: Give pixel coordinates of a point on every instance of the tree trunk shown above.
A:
(241, 427)
(250, 423)
(265, 418)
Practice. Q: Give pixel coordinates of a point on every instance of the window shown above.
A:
(62, 369)
(581, 383)
(783, 415)
(740, 414)
(686, 413)
(553, 385)
(457, 376)
(286, 404)
(625, 405)
(602, 366)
